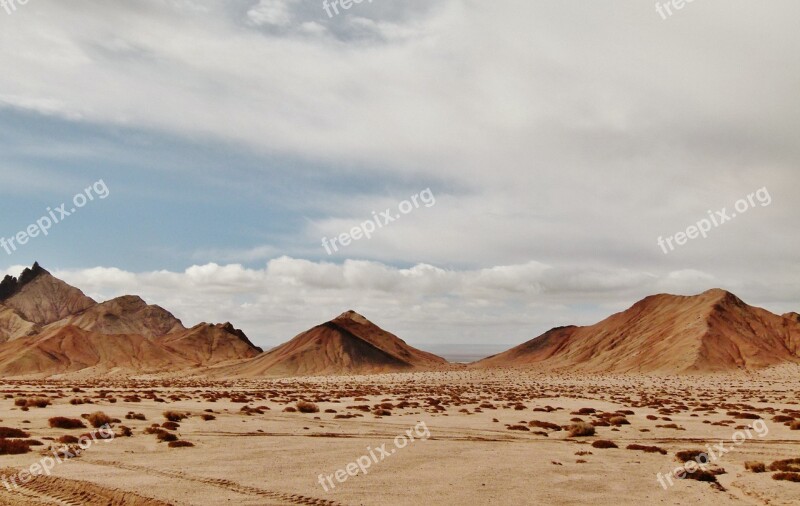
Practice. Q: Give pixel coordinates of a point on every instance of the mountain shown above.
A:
(347, 344)
(48, 327)
(128, 314)
(40, 298)
(711, 332)
(209, 344)
(71, 349)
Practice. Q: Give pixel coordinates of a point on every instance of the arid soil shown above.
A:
(494, 437)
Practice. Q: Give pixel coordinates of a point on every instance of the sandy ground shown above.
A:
(462, 453)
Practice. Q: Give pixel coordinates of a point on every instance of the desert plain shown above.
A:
(496, 436)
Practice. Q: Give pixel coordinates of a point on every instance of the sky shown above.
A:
(530, 155)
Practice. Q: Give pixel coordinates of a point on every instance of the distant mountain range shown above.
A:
(49, 328)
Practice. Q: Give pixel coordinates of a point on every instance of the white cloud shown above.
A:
(271, 12)
(423, 303)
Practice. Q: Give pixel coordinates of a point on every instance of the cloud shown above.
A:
(271, 12)
(423, 303)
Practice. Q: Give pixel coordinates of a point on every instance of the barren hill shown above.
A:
(40, 298)
(713, 331)
(347, 344)
(48, 327)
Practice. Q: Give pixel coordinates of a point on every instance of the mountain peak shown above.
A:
(42, 298)
(11, 285)
(352, 316)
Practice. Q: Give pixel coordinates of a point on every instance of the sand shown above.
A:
(471, 455)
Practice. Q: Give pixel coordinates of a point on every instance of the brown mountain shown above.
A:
(40, 298)
(347, 344)
(128, 314)
(713, 331)
(48, 327)
(209, 344)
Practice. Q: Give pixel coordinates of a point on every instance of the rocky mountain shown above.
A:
(710, 332)
(347, 344)
(48, 327)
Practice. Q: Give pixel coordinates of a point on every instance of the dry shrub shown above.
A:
(795, 425)
(795, 477)
(174, 416)
(14, 446)
(206, 417)
(602, 443)
(648, 449)
(171, 425)
(581, 429)
(99, 419)
(135, 416)
(618, 420)
(166, 436)
(755, 467)
(67, 439)
(545, 425)
(687, 455)
(307, 407)
(290, 409)
(180, 444)
(9, 432)
(788, 465)
(60, 422)
(518, 427)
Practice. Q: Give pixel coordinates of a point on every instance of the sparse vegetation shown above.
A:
(581, 429)
(60, 422)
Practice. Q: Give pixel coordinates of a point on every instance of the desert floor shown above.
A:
(476, 446)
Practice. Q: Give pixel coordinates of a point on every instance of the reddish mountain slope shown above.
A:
(41, 298)
(128, 314)
(347, 344)
(48, 327)
(713, 331)
(208, 344)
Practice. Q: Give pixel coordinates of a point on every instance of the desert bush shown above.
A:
(60, 422)
(7, 432)
(618, 420)
(601, 443)
(180, 444)
(166, 436)
(135, 416)
(687, 455)
(67, 439)
(99, 419)
(174, 416)
(37, 402)
(14, 446)
(290, 409)
(648, 449)
(795, 425)
(755, 467)
(795, 477)
(545, 425)
(581, 429)
(124, 432)
(171, 425)
(206, 417)
(307, 407)
(788, 465)
(518, 427)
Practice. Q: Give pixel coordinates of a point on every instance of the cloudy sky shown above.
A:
(560, 140)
